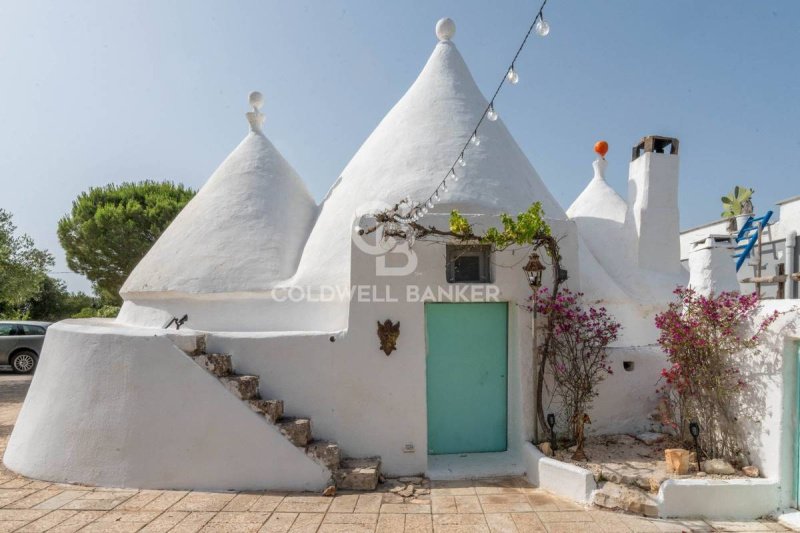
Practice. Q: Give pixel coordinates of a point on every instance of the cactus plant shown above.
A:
(738, 202)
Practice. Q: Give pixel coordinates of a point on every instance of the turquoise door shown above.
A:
(467, 365)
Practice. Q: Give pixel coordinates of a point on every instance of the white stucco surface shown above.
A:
(711, 268)
(410, 152)
(119, 407)
(243, 231)
(559, 478)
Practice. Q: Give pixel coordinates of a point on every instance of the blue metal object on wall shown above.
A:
(749, 233)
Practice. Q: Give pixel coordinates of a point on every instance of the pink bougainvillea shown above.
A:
(701, 335)
(578, 360)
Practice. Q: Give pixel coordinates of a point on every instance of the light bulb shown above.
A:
(424, 211)
(455, 176)
(444, 186)
(542, 27)
(436, 196)
(512, 76)
(461, 160)
(491, 114)
(475, 140)
(430, 203)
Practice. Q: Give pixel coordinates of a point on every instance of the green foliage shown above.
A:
(526, 229)
(53, 302)
(106, 311)
(459, 224)
(23, 268)
(111, 228)
(738, 202)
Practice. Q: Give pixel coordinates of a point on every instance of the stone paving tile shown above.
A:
(575, 527)
(129, 516)
(304, 504)
(165, 522)
(33, 499)
(24, 515)
(345, 528)
(165, 500)
(267, 502)
(77, 521)
(203, 501)
(11, 525)
(278, 523)
(364, 519)
(346, 503)
(239, 517)
(306, 523)
(48, 521)
(369, 503)
(9, 496)
(391, 523)
(193, 522)
(139, 500)
(443, 504)
(242, 502)
(468, 504)
(453, 488)
(405, 508)
(527, 522)
(112, 527)
(418, 523)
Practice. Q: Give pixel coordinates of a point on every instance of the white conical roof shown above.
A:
(598, 199)
(410, 152)
(243, 231)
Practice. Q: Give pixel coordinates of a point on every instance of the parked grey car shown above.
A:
(21, 343)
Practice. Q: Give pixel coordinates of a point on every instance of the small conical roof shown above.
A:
(598, 199)
(409, 153)
(243, 231)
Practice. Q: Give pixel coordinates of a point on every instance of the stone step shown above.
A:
(245, 387)
(297, 430)
(272, 409)
(326, 453)
(615, 496)
(218, 364)
(358, 474)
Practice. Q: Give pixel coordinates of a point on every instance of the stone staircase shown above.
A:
(348, 474)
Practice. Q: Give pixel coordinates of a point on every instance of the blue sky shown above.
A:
(93, 92)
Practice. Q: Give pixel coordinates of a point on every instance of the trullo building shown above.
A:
(281, 377)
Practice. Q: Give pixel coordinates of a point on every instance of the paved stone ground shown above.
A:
(498, 505)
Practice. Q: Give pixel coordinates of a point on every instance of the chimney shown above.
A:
(653, 202)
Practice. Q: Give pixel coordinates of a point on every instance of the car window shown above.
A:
(7, 330)
(28, 329)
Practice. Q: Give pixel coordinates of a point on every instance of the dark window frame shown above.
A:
(483, 253)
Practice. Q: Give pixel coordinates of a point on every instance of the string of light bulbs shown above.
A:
(511, 76)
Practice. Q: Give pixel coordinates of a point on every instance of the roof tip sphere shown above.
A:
(445, 29)
(256, 99)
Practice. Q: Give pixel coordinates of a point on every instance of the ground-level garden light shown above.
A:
(694, 429)
(551, 421)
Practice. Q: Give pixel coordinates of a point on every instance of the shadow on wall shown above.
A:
(760, 405)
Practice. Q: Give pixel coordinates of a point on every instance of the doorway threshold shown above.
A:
(475, 465)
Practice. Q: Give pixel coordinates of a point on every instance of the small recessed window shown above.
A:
(468, 263)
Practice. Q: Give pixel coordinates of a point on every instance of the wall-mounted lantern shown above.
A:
(551, 421)
(694, 429)
(533, 270)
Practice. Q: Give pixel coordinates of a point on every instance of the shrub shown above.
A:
(701, 336)
(578, 360)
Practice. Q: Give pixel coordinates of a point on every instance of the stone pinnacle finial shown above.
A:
(445, 29)
(255, 117)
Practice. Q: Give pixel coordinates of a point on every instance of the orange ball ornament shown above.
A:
(601, 147)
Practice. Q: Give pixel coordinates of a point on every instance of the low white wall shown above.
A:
(735, 499)
(124, 407)
(564, 479)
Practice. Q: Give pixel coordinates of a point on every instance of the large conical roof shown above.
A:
(410, 152)
(243, 231)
